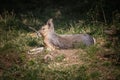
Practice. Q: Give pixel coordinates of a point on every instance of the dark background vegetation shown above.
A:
(74, 9)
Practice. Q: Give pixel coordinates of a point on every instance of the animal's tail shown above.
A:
(94, 40)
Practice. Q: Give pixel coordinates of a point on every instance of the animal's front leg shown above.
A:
(49, 46)
(36, 50)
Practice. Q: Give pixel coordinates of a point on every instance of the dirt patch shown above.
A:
(62, 58)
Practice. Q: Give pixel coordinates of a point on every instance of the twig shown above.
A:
(38, 34)
(104, 15)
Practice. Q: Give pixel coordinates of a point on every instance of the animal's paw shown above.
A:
(36, 50)
(50, 49)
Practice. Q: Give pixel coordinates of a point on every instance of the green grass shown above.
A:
(95, 75)
(60, 58)
(91, 50)
(15, 41)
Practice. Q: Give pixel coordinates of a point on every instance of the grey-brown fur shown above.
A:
(52, 40)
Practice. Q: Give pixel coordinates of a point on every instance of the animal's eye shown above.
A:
(43, 28)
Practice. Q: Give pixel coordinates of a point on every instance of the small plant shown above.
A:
(91, 50)
(107, 63)
(95, 75)
(60, 58)
(32, 43)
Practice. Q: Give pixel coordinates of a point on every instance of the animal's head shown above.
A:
(47, 28)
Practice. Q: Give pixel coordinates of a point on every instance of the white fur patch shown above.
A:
(36, 50)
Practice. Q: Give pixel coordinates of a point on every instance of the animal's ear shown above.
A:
(50, 23)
